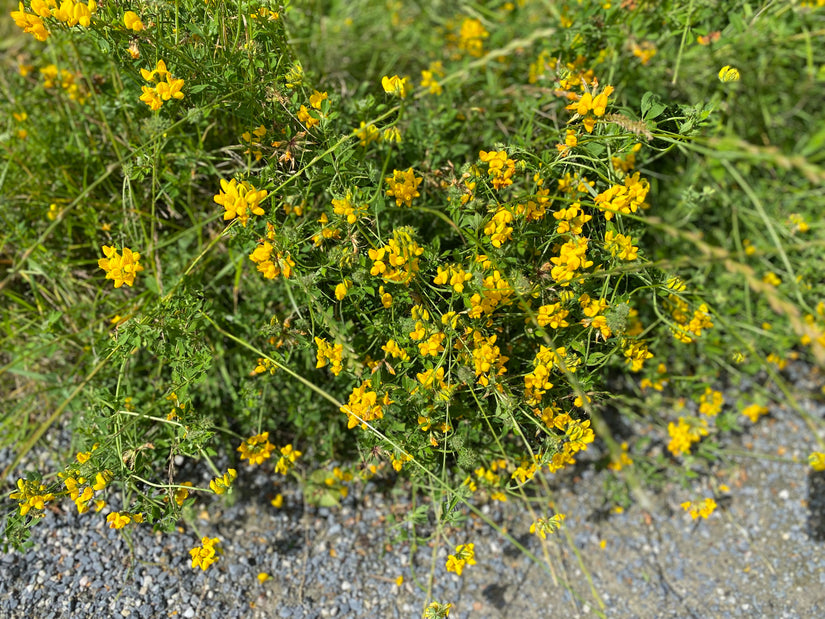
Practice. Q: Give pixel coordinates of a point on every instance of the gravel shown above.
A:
(760, 554)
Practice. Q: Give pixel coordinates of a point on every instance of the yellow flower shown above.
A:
(464, 555)
(181, 494)
(817, 461)
(308, 120)
(256, 448)
(206, 554)
(117, 520)
(403, 186)
(220, 485)
(121, 269)
(728, 74)
(755, 411)
(240, 199)
(471, 37)
(703, 509)
(31, 495)
(397, 86)
(132, 21)
(316, 98)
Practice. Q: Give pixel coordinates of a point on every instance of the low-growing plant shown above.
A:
(460, 245)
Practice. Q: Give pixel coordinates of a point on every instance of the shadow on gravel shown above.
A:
(495, 595)
(816, 505)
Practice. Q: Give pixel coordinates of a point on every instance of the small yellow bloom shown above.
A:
(132, 21)
(181, 494)
(397, 86)
(117, 520)
(729, 74)
(341, 289)
(263, 577)
(121, 269)
(206, 554)
(220, 485)
(316, 98)
(817, 461)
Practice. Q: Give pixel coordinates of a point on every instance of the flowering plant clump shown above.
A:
(470, 280)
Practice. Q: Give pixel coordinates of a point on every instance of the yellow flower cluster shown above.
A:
(527, 470)
(256, 448)
(432, 378)
(490, 479)
(688, 326)
(221, 484)
(593, 310)
(118, 520)
(31, 494)
(620, 245)
(397, 86)
(621, 461)
(329, 354)
(121, 269)
(552, 315)
(636, 353)
(305, 118)
(346, 208)
(206, 554)
(571, 258)
(403, 186)
(454, 275)
(544, 526)
(154, 96)
(82, 491)
(589, 108)
(486, 357)
(67, 80)
(464, 555)
(272, 263)
(711, 402)
(684, 434)
(626, 198)
(397, 261)
(537, 382)
(326, 232)
(68, 12)
(471, 37)
(364, 406)
(253, 139)
(395, 351)
(428, 77)
(336, 480)
(287, 459)
(817, 461)
(496, 292)
(644, 52)
(437, 610)
(500, 168)
(754, 412)
(702, 509)
(498, 228)
(132, 21)
(571, 219)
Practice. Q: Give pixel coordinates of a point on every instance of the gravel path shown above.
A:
(760, 555)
